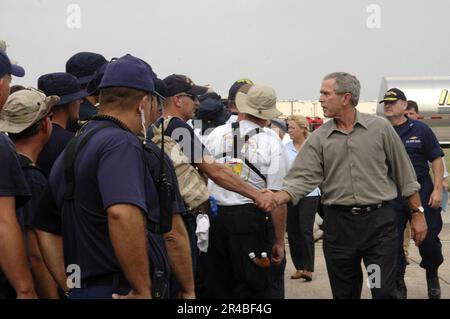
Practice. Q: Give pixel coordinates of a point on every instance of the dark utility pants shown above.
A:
(6, 290)
(431, 248)
(235, 232)
(370, 237)
(100, 289)
(300, 224)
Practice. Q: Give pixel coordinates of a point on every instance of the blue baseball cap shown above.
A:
(62, 84)
(83, 66)
(131, 72)
(6, 67)
(178, 83)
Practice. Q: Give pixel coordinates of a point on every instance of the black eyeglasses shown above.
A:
(194, 98)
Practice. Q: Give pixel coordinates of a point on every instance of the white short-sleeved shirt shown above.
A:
(263, 150)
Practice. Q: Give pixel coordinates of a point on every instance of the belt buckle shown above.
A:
(356, 210)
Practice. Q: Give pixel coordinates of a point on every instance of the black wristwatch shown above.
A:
(418, 210)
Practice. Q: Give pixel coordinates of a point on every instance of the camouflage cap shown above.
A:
(25, 108)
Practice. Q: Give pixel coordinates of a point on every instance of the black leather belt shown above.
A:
(117, 280)
(357, 210)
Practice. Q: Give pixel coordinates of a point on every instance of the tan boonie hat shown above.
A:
(260, 101)
(25, 108)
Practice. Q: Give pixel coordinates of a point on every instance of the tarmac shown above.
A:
(319, 287)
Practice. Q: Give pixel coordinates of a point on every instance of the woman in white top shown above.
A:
(300, 219)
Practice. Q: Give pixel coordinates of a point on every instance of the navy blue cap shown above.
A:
(177, 83)
(210, 95)
(62, 84)
(129, 71)
(83, 65)
(393, 95)
(213, 113)
(235, 88)
(6, 67)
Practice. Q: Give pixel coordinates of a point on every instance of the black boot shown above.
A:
(402, 292)
(434, 289)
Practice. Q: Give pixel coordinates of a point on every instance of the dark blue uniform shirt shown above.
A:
(421, 145)
(12, 180)
(109, 170)
(55, 145)
(37, 182)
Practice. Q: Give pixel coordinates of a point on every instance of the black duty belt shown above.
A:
(357, 210)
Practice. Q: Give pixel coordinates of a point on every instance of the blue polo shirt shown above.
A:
(421, 145)
(55, 145)
(109, 170)
(12, 180)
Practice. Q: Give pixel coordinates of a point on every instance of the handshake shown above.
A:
(268, 200)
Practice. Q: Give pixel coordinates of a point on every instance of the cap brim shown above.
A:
(85, 79)
(17, 70)
(389, 99)
(159, 95)
(197, 90)
(64, 99)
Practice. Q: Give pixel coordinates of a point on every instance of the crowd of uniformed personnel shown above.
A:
(117, 184)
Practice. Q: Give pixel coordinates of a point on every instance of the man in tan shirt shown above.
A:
(358, 161)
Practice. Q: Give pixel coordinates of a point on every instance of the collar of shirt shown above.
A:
(360, 119)
(405, 125)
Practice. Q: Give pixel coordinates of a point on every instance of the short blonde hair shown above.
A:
(301, 121)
